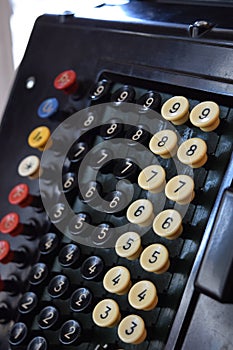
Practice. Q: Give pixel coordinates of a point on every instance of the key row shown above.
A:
(131, 329)
(204, 115)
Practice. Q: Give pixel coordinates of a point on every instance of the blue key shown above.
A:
(48, 107)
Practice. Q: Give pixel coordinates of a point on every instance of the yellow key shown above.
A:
(152, 178)
(155, 258)
(106, 313)
(180, 189)
(176, 110)
(168, 224)
(143, 296)
(164, 143)
(29, 167)
(193, 152)
(132, 329)
(205, 116)
(39, 137)
(117, 280)
(129, 245)
(141, 212)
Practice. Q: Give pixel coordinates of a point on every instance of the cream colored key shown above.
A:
(168, 224)
(141, 212)
(176, 110)
(193, 152)
(180, 189)
(205, 116)
(155, 258)
(117, 280)
(39, 137)
(106, 313)
(164, 143)
(143, 296)
(152, 178)
(29, 167)
(132, 329)
(129, 245)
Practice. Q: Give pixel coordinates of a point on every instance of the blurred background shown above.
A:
(16, 21)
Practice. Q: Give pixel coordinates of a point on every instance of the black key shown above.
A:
(81, 300)
(137, 134)
(48, 243)
(111, 130)
(70, 185)
(91, 191)
(58, 286)
(48, 317)
(78, 225)
(150, 100)
(18, 334)
(116, 203)
(92, 268)
(100, 90)
(27, 303)
(123, 94)
(38, 343)
(78, 151)
(70, 332)
(38, 274)
(102, 234)
(101, 160)
(69, 256)
(126, 169)
(58, 213)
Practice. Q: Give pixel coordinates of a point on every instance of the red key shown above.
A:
(67, 82)
(11, 225)
(19, 195)
(7, 255)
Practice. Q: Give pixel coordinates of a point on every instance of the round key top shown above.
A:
(176, 110)
(132, 330)
(100, 90)
(48, 317)
(29, 167)
(78, 151)
(180, 189)
(141, 212)
(143, 296)
(48, 108)
(38, 343)
(66, 81)
(164, 143)
(92, 268)
(123, 94)
(48, 244)
(205, 116)
(152, 178)
(19, 195)
(38, 274)
(58, 213)
(155, 258)
(27, 303)
(10, 224)
(8, 255)
(4, 250)
(117, 280)
(18, 334)
(111, 130)
(137, 134)
(79, 224)
(129, 245)
(125, 169)
(150, 100)
(39, 137)
(102, 234)
(193, 152)
(69, 256)
(70, 332)
(81, 300)
(168, 224)
(106, 313)
(58, 286)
